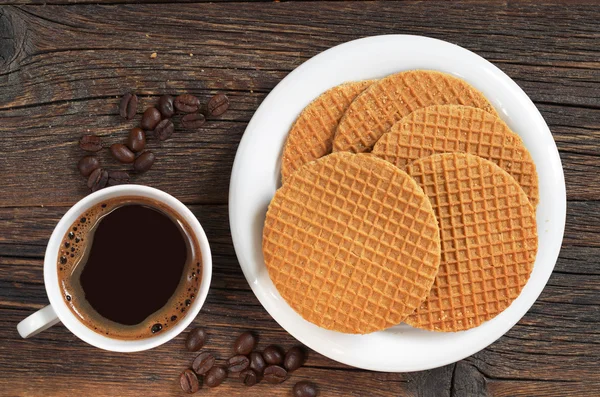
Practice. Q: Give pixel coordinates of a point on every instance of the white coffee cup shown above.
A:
(58, 311)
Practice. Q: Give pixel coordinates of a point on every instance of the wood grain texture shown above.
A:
(54, 90)
(62, 70)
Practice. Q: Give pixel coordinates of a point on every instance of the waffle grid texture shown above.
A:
(351, 243)
(388, 100)
(311, 136)
(454, 128)
(489, 240)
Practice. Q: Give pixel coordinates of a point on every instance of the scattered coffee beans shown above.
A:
(128, 106)
(154, 119)
(238, 363)
(187, 103)
(165, 106)
(121, 153)
(203, 363)
(164, 130)
(90, 143)
(136, 141)
(144, 161)
(98, 179)
(193, 121)
(249, 368)
(88, 164)
(217, 105)
(273, 355)
(215, 376)
(195, 339)
(150, 118)
(189, 381)
(294, 359)
(275, 374)
(117, 178)
(257, 363)
(249, 377)
(245, 343)
(305, 388)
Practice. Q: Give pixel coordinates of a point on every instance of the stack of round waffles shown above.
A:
(424, 213)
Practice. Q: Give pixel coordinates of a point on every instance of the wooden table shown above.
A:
(62, 69)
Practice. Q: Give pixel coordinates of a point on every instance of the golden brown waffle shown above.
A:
(455, 128)
(489, 240)
(351, 243)
(388, 100)
(311, 136)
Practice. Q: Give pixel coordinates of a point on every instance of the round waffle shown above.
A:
(386, 101)
(351, 243)
(311, 136)
(455, 128)
(489, 240)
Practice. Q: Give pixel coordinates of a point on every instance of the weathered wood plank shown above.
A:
(103, 373)
(24, 232)
(29, 229)
(44, 155)
(56, 90)
(562, 325)
(122, 2)
(470, 381)
(226, 314)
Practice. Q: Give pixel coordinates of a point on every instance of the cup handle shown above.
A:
(38, 322)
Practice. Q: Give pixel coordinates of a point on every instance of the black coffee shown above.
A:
(129, 268)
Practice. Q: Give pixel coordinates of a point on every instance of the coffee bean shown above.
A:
(117, 178)
(164, 130)
(195, 339)
(187, 103)
(305, 388)
(193, 121)
(275, 374)
(144, 161)
(244, 343)
(273, 355)
(294, 359)
(215, 376)
(257, 362)
(249, 377)
(94, 177)
(98, 179)
(128, 106)
(203, 363)
(189, 381)
(88, 164)
(238, 363)
(165, 106)
(217, 105)
(90, 143)
(150, 118)
(136, 141)
(121, 153)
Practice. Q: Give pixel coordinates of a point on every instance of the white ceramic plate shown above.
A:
(256, 176)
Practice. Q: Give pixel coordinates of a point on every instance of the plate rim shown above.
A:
(236, 170)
